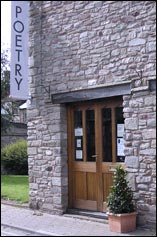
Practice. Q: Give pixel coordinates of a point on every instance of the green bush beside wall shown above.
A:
(14, 158)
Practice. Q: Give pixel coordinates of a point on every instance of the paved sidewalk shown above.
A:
(53, 225)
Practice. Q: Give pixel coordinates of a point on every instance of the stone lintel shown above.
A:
(91, 94)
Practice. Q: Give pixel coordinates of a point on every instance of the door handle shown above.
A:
(95, 156)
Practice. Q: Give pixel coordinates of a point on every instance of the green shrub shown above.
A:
(14, 158)
(120, 199)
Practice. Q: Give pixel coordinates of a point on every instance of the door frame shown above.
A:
(100, 166)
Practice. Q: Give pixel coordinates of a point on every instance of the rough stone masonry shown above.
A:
(77, 45)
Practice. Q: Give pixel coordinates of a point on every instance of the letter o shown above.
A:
(22, 26)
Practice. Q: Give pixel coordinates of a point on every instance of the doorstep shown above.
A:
(86, 214)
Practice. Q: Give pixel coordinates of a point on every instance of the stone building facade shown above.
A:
(87, 51)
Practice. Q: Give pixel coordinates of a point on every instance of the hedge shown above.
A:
(14, 158)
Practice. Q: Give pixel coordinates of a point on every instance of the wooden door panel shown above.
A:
(80, 185)
(85, 186)
(85, 204)
(91, 186)
(107, 182)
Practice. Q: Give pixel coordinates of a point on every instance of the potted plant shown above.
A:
(122, 214)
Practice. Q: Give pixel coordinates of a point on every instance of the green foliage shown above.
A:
(15, 187)
(14, 158)
(5, 74)
(6, 108)
(120, 199)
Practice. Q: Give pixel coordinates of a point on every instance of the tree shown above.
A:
(9, 108)
(5, 75)
(6, 106)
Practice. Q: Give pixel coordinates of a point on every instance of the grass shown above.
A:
(15, 187)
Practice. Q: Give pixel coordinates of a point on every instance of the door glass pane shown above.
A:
(78, 134)
(78, 119)
(107, 134)
(119, 134)
(90, 135)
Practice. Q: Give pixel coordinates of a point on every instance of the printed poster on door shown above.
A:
(120, 146)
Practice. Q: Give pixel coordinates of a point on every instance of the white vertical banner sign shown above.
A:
(19, 50)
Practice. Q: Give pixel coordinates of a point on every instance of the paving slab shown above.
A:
(24, 221)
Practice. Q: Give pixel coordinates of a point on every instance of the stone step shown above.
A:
(87, 215)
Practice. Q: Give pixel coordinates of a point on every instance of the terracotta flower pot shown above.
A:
(122, 223)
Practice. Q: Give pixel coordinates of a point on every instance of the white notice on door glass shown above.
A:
(78, 154)
(120, 146)
(78, 132)
(78, 141)
(120, 130)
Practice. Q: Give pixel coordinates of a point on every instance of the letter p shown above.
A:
(18, 10)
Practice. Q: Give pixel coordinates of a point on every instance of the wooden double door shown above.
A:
(95, 148)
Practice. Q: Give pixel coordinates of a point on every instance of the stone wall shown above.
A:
(47, 143)
(87, 44)
(140, 150)
(90, 43)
